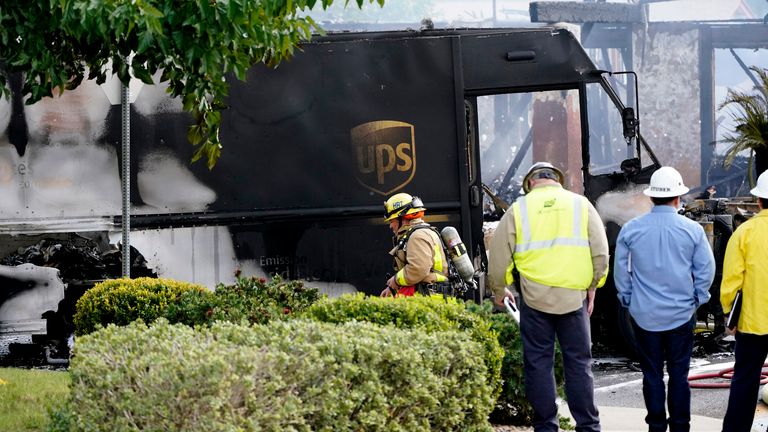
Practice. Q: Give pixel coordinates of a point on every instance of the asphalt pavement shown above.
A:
(618, 394)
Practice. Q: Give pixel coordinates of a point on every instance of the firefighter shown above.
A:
(556, 241)
(419, 260)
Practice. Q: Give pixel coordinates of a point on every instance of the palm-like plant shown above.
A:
(750, 116)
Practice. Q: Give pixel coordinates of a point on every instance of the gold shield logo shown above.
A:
(385, 152)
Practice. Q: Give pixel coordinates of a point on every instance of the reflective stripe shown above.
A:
(525, 224)
(577, 217)
(543, 237)
(400, 277)
(509, 277)
(525, 227)
(438, 265)
(545, 244)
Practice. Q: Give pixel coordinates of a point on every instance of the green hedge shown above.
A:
(512, 406)
(430, 314)
(284, 376)
(122, 301)
(249, 299)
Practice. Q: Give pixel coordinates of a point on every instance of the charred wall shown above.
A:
(666, 58)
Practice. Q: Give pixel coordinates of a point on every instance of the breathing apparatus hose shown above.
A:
(723, 374)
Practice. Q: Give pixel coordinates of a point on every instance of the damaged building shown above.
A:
(687, 55)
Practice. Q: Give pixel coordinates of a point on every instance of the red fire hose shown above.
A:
(723, 374)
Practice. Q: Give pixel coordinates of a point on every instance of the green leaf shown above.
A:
(145, 42)
(140, 72)
(195, 43)
(214, 152)
(195, 135)
(205, 9)
(152, 11)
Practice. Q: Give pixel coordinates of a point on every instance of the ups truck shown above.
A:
(312, 148)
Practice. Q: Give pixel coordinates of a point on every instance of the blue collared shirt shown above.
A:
(663, 270)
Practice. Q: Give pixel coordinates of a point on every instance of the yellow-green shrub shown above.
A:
(294, 375)
(122, 301)
(429, 314)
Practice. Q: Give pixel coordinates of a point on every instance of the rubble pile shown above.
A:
(79, 259)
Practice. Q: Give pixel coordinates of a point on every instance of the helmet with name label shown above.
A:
(666, 182)
(402, 204)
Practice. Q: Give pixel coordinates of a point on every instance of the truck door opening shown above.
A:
(515, 130)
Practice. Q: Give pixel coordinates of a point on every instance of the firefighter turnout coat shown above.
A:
(418, 255)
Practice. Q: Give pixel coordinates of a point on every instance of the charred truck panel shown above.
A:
(312, 148)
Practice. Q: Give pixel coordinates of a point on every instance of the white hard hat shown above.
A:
(542, 170)
(761, 190)
(666, 182)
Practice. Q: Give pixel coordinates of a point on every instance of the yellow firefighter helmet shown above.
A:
(402, 204)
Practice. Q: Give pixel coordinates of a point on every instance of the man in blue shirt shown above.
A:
(663, 270)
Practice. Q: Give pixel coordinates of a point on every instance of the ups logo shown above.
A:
(385, 152)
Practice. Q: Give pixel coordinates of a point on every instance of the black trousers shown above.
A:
(751, 351)
(538, 331)
(674, 348)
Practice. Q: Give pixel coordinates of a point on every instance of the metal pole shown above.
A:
(125, 106)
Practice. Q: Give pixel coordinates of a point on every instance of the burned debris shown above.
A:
(78, 259)
(39, 287)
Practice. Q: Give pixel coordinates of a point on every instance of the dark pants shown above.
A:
(538, 331)
(750, 351)
(673, 347)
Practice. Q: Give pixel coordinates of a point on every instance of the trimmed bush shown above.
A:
(512, 406)
(258, 300)
(284, 376)
(252, 300)
(192, 308)
(429, 314)
(122, 301)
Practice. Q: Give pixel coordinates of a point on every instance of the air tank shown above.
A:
(458, 253)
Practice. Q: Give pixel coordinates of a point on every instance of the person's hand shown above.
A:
(392, 284)
(391, 288)
(731, 332)
(590, 301)
(499, 300)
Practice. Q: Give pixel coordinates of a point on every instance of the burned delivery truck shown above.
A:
(312, 148)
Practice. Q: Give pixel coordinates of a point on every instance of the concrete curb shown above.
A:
(760, 423)
(620, 419)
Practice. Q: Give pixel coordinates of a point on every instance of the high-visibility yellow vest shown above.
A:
(552, 245)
